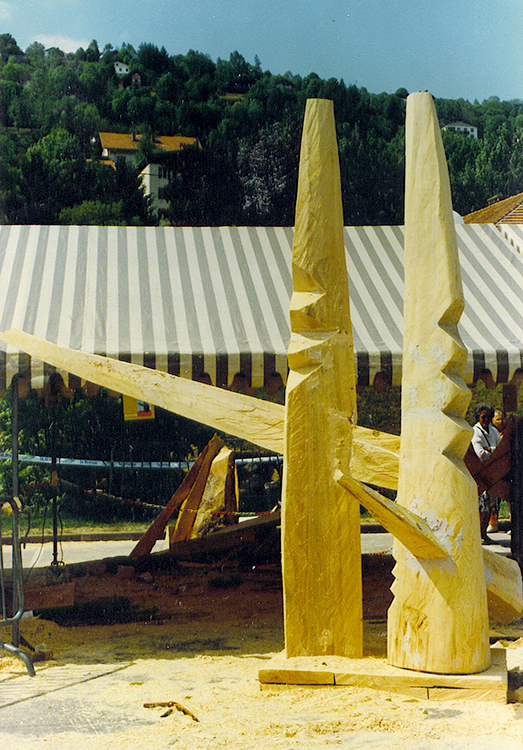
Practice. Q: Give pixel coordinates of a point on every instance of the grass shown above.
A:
(504, 512)
(69, 525)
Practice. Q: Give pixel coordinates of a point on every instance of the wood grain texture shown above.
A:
(228, 412)
(320, 521)
(438, 620)
(408, 528)
(376, 454)
(489, 685)
(215, 502)
(188, 510)
(157, 527)
(504, 588)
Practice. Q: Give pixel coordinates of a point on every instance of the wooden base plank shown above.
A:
(490, 685)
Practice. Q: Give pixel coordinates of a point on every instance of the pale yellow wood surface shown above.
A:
(183, 529)
(504, 588)
(213, 499)
(370, 447)
(467, 694)
(502, 575)
(375, 457)
(438, 620)
(320, 521)
(192, 484)
(408, 528)
(490, 685)
(246, 417)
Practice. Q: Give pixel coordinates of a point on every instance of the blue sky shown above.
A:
(453, 48)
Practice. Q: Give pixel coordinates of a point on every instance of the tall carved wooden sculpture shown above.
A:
(438, 620)
(321, 543)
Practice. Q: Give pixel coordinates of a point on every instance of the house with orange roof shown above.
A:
(507, 211)
(155, 175)
(125, 145)
(506, 215)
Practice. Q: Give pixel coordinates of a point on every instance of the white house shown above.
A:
(155, 175)
(461, 127)
(121, 69)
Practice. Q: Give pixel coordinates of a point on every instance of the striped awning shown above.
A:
(513, 233)
(190, 300)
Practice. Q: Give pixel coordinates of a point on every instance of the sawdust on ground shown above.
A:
(201, 638)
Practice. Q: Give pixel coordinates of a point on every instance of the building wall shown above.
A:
(153, 179)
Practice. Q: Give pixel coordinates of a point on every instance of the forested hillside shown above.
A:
(52, 105)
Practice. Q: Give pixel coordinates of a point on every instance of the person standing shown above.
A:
(485, 440)
(499, 421)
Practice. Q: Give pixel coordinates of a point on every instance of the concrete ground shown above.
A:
(92, 547)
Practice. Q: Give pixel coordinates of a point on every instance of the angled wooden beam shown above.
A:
(408, 528)
(193, 485)
(504, 587)
(248, 418)
(375, 457)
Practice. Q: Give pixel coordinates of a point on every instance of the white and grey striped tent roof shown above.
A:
(514, 234)
(189, 300)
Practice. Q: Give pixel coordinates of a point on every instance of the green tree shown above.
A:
(94, 213)
(268, 168)
(8, 47)
(204, 189)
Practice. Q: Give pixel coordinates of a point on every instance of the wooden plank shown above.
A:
(157, 527)
(490, 684)
(253, 419)
(375, 457)
(198, 546)
(407, 527)
(438, 620)
(296, 677)
(218, 503)
(320, 522)
(230, 537)
(376, 454)
(231, 492)
(504, 587)
(189, 508)
(466, 694)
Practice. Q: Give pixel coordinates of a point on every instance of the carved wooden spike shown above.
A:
(320, 527)
(438, 620)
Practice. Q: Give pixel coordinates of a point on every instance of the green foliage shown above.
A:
(94, 429)
(493, 396)
(8, 47)
(380, 411)
(249, 122)
(93, 213)
(268, 172)
(204, 189)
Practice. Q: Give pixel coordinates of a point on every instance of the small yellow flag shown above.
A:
(136, 409)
